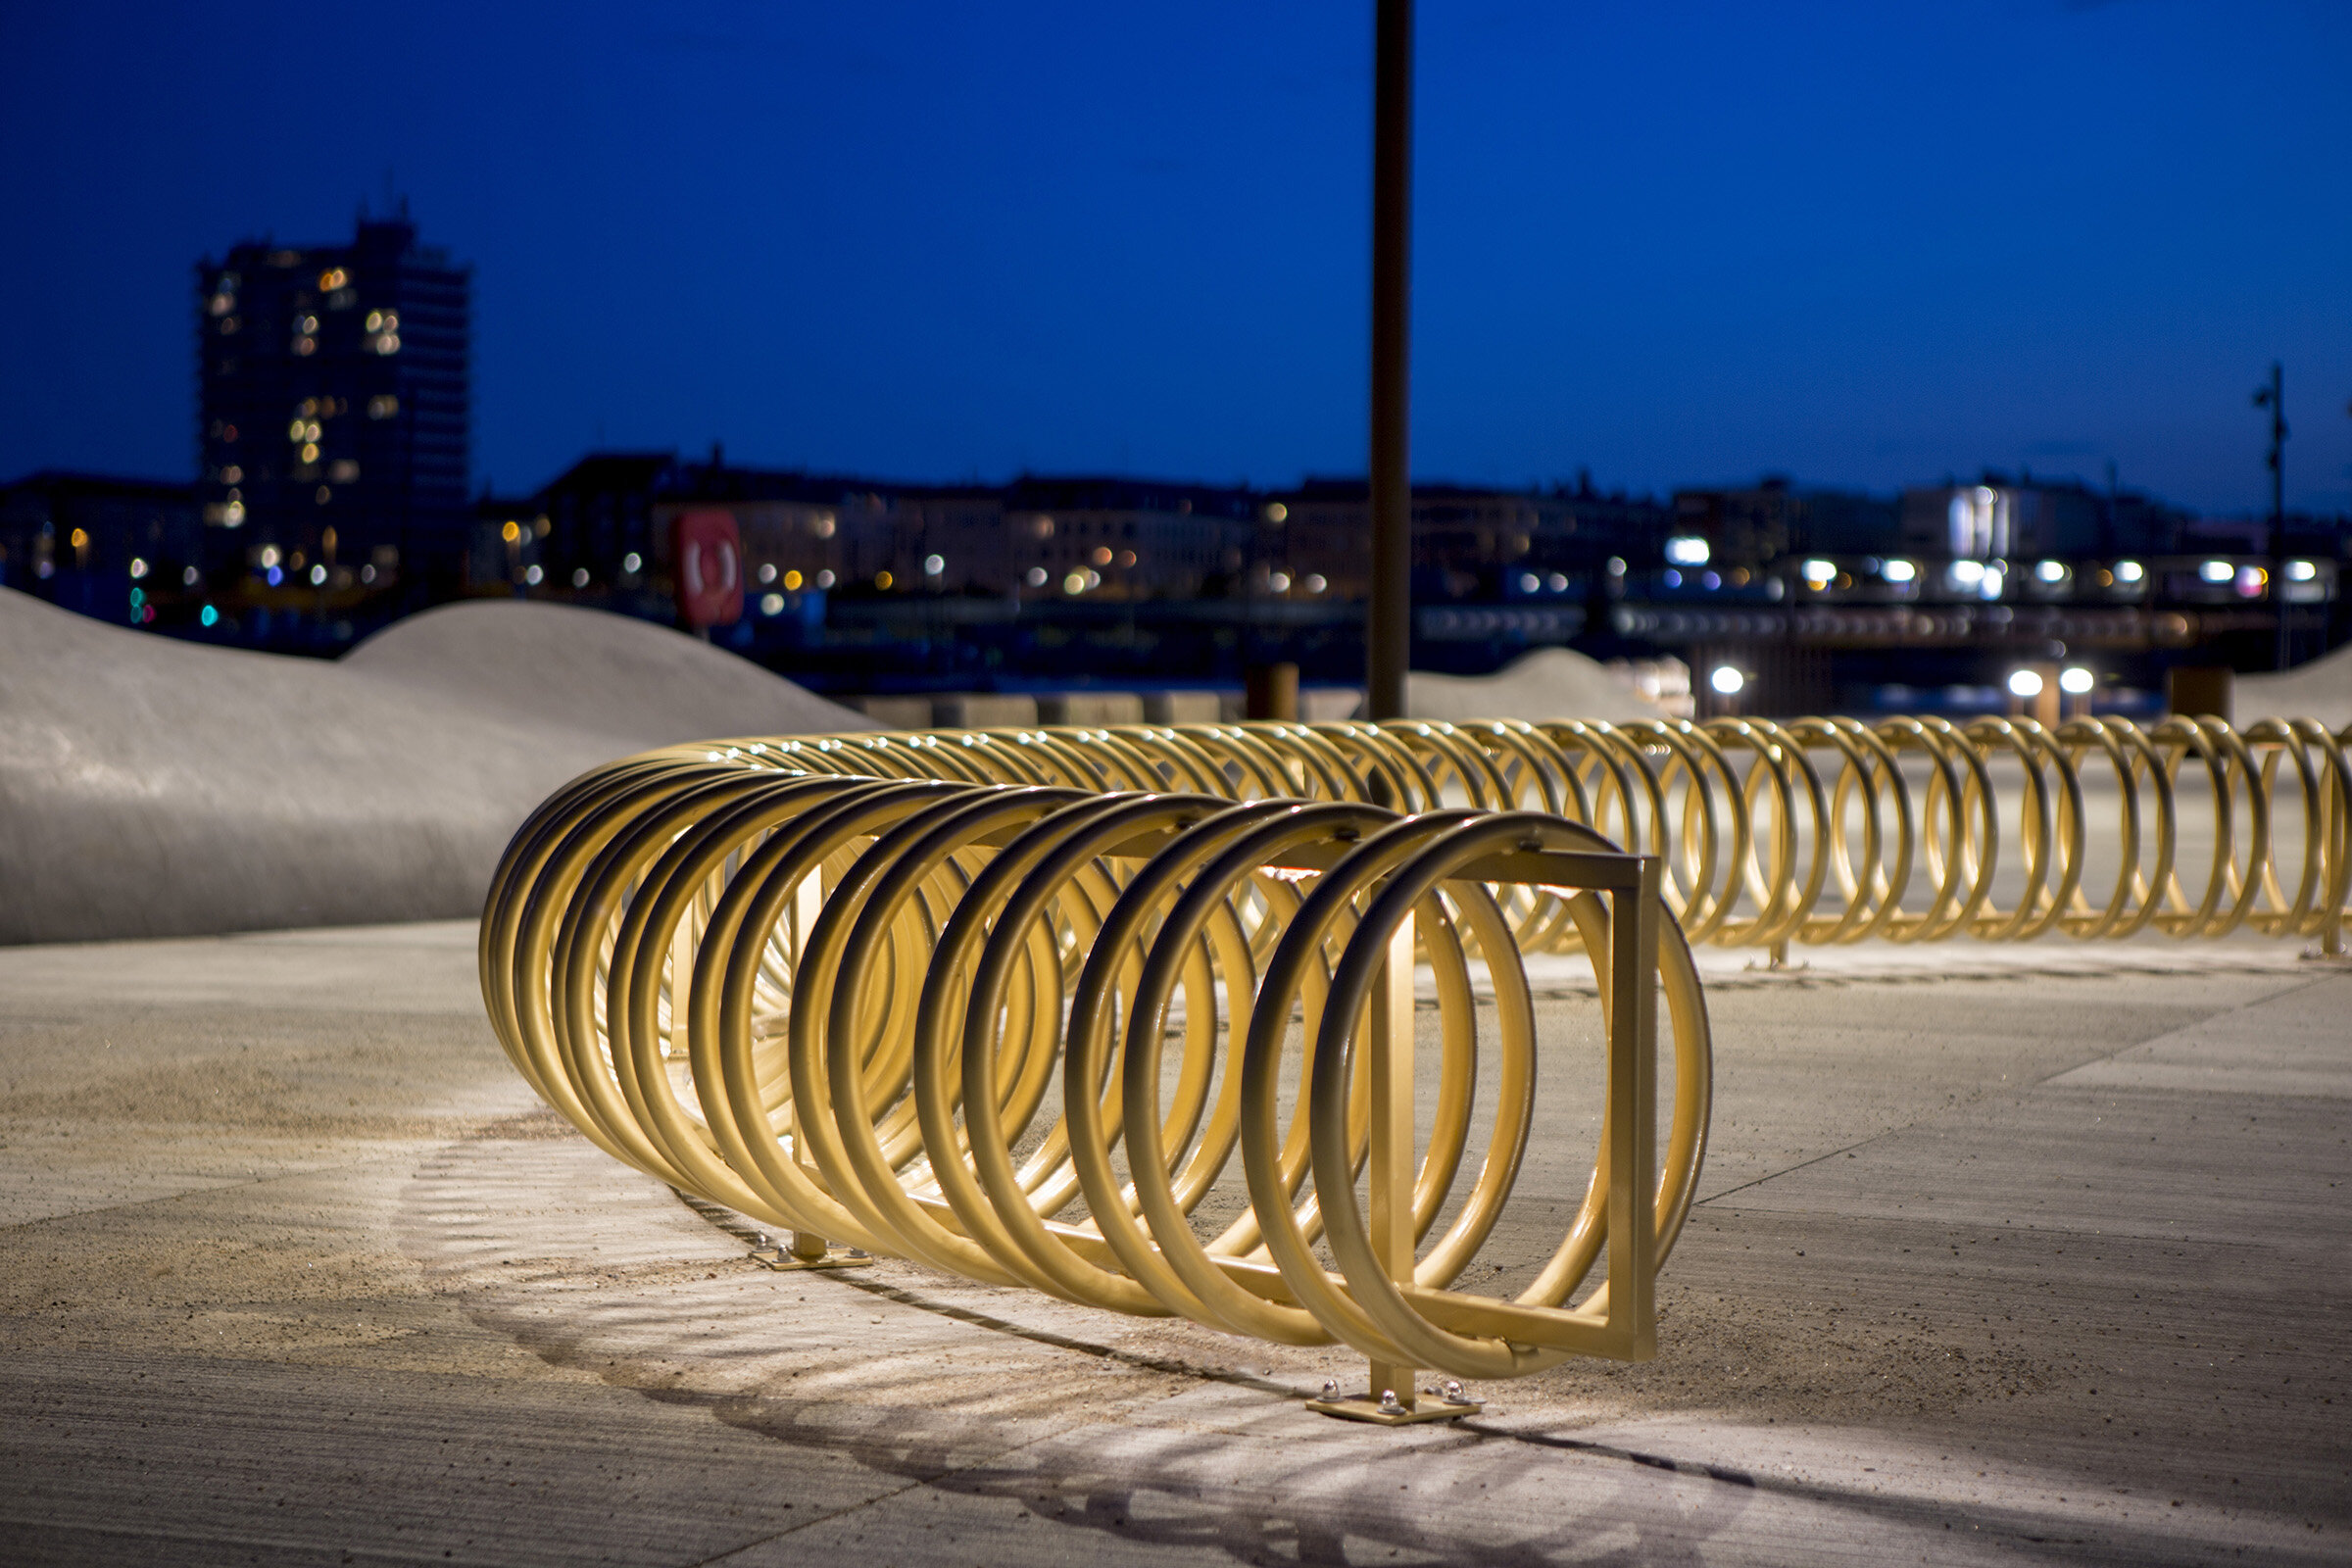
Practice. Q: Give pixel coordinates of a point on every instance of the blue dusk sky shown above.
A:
(1865, 245)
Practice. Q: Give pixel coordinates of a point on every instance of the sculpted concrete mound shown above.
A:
(2321, 689)
(155, 788)
(1549, 683)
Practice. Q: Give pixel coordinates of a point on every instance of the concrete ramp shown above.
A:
(2321, 689)
(150, 787)
(1548, 683)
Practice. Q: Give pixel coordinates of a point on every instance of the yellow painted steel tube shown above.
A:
(1815, 831)
(1033, 1030)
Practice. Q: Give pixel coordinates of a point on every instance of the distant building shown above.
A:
(1749, 527)
(1122, 539)
(1996, 518)
(1468, 542)
(123, 550)
(333, 410)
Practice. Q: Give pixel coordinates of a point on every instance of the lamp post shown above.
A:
(1389, 629)
(2274, 398)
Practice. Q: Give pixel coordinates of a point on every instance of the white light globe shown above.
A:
(2076, 680)
(1727, 680)
(2024, 683)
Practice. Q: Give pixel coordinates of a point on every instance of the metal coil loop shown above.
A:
(1027, 1032)
(1813, 832)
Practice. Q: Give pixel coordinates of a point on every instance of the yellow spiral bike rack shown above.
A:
(1816, 831)
(915, 993)
(1021, 1032)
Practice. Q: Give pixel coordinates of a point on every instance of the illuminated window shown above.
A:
(343, 470)
(532, 575)
(767, 572)
(579, 576)
(513, 531)
(792, 579)
(632, 561)
(334, 278)
(310, 452)
(233, 474)
(383, 406)
(1687, 552)
(824, 580)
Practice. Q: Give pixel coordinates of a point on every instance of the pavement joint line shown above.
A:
(2288, 991)
(204, 1192)
(918, 1484)
(1894, 1509)
(162, 1536)
(725, 1220)
(2017, 1524)
(1803, 1163)
(2304, 983)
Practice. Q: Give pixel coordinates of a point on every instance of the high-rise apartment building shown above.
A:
(333, 407)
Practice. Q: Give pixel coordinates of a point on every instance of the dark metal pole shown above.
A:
(2274, 398)
(1390, 633)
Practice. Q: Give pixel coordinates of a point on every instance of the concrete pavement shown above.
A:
(2046, 1260)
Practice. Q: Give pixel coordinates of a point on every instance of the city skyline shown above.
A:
(1863, 251)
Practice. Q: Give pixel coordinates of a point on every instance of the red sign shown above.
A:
(705, 552)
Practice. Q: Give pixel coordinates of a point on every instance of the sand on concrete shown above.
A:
(1548, 683)
(151, 787)
(2042, 1263)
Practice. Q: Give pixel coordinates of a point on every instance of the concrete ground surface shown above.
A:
(2002, 1255)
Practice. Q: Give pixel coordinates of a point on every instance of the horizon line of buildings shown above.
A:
(333, 430)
